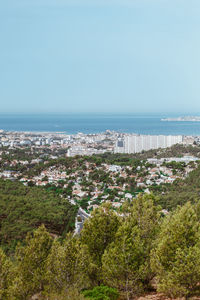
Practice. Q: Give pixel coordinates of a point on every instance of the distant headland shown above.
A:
(182, 119)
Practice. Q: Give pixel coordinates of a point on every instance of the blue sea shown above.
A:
(95, 123)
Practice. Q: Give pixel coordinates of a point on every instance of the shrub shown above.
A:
(101, 293)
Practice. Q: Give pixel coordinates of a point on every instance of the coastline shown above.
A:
(63, 124)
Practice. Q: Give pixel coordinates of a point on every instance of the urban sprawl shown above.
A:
(89, 144)
(90, 182)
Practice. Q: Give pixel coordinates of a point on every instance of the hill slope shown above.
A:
(23, 209)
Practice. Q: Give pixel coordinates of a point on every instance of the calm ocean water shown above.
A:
(71, 124)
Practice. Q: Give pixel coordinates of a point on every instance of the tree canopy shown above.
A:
(23, 209)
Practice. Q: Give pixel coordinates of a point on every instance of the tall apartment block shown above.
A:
(137, 143)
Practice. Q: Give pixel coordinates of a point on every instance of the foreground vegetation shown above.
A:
(115, 257)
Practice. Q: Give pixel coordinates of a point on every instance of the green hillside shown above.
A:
(23, 209)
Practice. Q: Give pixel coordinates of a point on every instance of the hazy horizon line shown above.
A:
(102, 113)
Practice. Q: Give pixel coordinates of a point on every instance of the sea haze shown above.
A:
(93, 123)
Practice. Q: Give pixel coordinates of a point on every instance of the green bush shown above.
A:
(101, 293)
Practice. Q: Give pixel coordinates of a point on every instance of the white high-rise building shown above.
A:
(137, 143)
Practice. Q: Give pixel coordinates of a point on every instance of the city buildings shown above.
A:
(135, 143)
(90, 144)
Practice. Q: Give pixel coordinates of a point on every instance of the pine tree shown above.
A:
(68, 266)
(176, 259)
(98, 232)
(31, 265)
(5, 275)
(126, 263)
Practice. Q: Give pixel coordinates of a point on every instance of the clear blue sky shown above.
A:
(100, 56)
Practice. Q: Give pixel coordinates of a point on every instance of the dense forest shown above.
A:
(23, 209)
